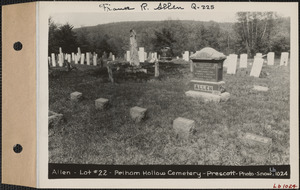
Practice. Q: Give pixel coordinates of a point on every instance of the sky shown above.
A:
(91, 19)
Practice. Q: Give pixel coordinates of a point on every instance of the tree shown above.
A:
(61, 36)
(254, 31)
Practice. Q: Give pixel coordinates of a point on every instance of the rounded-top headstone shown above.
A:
(208, 54)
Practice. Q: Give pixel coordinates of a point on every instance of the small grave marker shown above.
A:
(53, 59)
(183, 127)
(243, 60)
(260, 88)
(101, 103)
(76, 96)
(60, 60)
(138, 113)
(82, 59)
(54, 118)
(270, 58)
(253, 139)
(128, 56)
(141, 54)
(73, 56)
(95, 59)
(284, 58)
(88, 58)
(256, 67)
(69, 58)
(231, 68)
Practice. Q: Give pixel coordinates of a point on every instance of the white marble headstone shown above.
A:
(284, 58)
(243, 60)
(232, 62)
(256, 67)
(270, 58)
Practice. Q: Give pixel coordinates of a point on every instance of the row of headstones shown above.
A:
(231, 62)
(87, 58)
(142, 55)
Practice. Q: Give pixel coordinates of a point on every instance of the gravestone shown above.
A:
(284, 58)
(134, 57)
(110, 56)
(69, 58)
(95, 56)
(88, 58)
(260, 88)
(73, 56)
(270, 58)
(145, 56)
(60, 50)
(243, 60)
(49, 61)
(259, 55)
(207, 83)
(54, 119)
(225, 63)
(101, 103)
(232, 62)
(113, 57)
(183, 127)
(141, 54)
(155, 55)
(138, 113)
(256, 67)
(53, 59)
(76, 96)
(82, 59)
(128, 56)
(60, 60)
(76, 59)
(185, 56)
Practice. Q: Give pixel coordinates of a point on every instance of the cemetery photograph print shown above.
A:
(127, 88)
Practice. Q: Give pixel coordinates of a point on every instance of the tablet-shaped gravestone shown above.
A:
(270, 58)
(231, 68)
(243, 60)
(256, 67)
(284, 58)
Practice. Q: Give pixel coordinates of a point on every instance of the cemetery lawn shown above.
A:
(90, 136)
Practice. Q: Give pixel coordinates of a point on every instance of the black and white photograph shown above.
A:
(190, 89)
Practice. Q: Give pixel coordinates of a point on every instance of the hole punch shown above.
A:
(18, 148)
(18, 46)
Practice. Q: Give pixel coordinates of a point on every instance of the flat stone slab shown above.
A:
(207, 97)
(183, 127)
(138, 113)
(260, 88)
(253, 139)
(76, 96)
(101, 103)
(54, 118)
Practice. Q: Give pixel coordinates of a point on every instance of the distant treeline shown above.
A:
(254, 32)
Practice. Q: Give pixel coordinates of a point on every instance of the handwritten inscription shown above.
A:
(197, 7)
(107, 7)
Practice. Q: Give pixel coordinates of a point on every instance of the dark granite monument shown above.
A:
(207, 82)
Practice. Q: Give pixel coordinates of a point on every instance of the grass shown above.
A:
(88, 136)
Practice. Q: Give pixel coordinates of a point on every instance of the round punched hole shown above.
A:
(18, 148)
(18, 46)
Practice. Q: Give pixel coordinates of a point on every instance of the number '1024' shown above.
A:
(195, 6)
